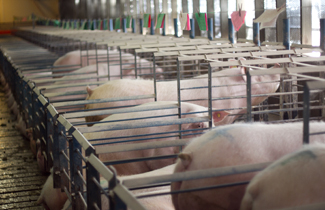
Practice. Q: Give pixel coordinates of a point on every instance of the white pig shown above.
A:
(294, 180)
(167, 91)
(144, 166)
(51, 198)
(233, 145)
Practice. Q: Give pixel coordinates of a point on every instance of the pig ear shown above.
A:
(89, 90)
(219, 116)
(186, 159)
(243, 71)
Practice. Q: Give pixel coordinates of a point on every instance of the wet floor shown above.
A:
(20, 179)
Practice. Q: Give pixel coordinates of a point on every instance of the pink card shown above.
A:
(206, 21)
(188, 23)
(238, 20)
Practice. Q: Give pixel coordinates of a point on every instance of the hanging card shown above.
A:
(183, 19)
(238, 19)
(117, 23)
(202, 21)
(146, 20)
(269, 17)
(160, 21)
(188, 23)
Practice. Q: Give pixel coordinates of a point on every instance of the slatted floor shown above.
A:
(20, 179)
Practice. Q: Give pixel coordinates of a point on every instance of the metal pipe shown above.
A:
(231, 32)
(152, 28)
(210, 28)
(133, 25)
(124, 25)
(175, 27)
(322, 33)
(256, 34)
(286, 33)
(192, 32)
(141, 25)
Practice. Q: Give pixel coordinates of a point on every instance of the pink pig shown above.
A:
(167, 91)
(234, 145)
(145, 166)
(294, 180)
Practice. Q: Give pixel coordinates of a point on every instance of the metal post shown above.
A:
(306, 115)
(210, 96)
(286, 33)
(75, 166)
(121, 70)
(164, 28)
(141, 25)
(231, 32)
(152, 28)
(256, 34)
(249, 96)
(210, 28)
(322, 34)
(154, 77)
(192, 32)
(93, 193)
(133, 25)
(111, 28)
(175, 27)
(124, 25)
(179, 96)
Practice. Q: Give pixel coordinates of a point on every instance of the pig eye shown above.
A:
(199, 126)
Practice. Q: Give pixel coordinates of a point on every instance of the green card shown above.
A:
(160, 21)
(146, 19)
(72, 25)
(128, 21)
(47, 22)
(83, 25)
(201, 20)
(56, 22)
(63, 24)
(117, 23)
(67, 25)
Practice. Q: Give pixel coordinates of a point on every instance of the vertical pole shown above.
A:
(322, 34)
(210, 28)
(306, 115)
(141, 25)
(133, 25)
(111, 24)
(256, 34)
(286, 33)
(175, 27)
(192, 32)
(152, 28)
(210, 96)
(249, 96)
(231, 32)
(164, 27)
(124, 25)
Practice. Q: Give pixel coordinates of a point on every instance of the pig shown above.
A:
(151, 203)
(74, 57)
(40, 158)
(233, 145)
(145, 166)
(167, 91)
(51, 198)
(293, 180)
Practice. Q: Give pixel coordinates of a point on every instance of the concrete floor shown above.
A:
(20, 179)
